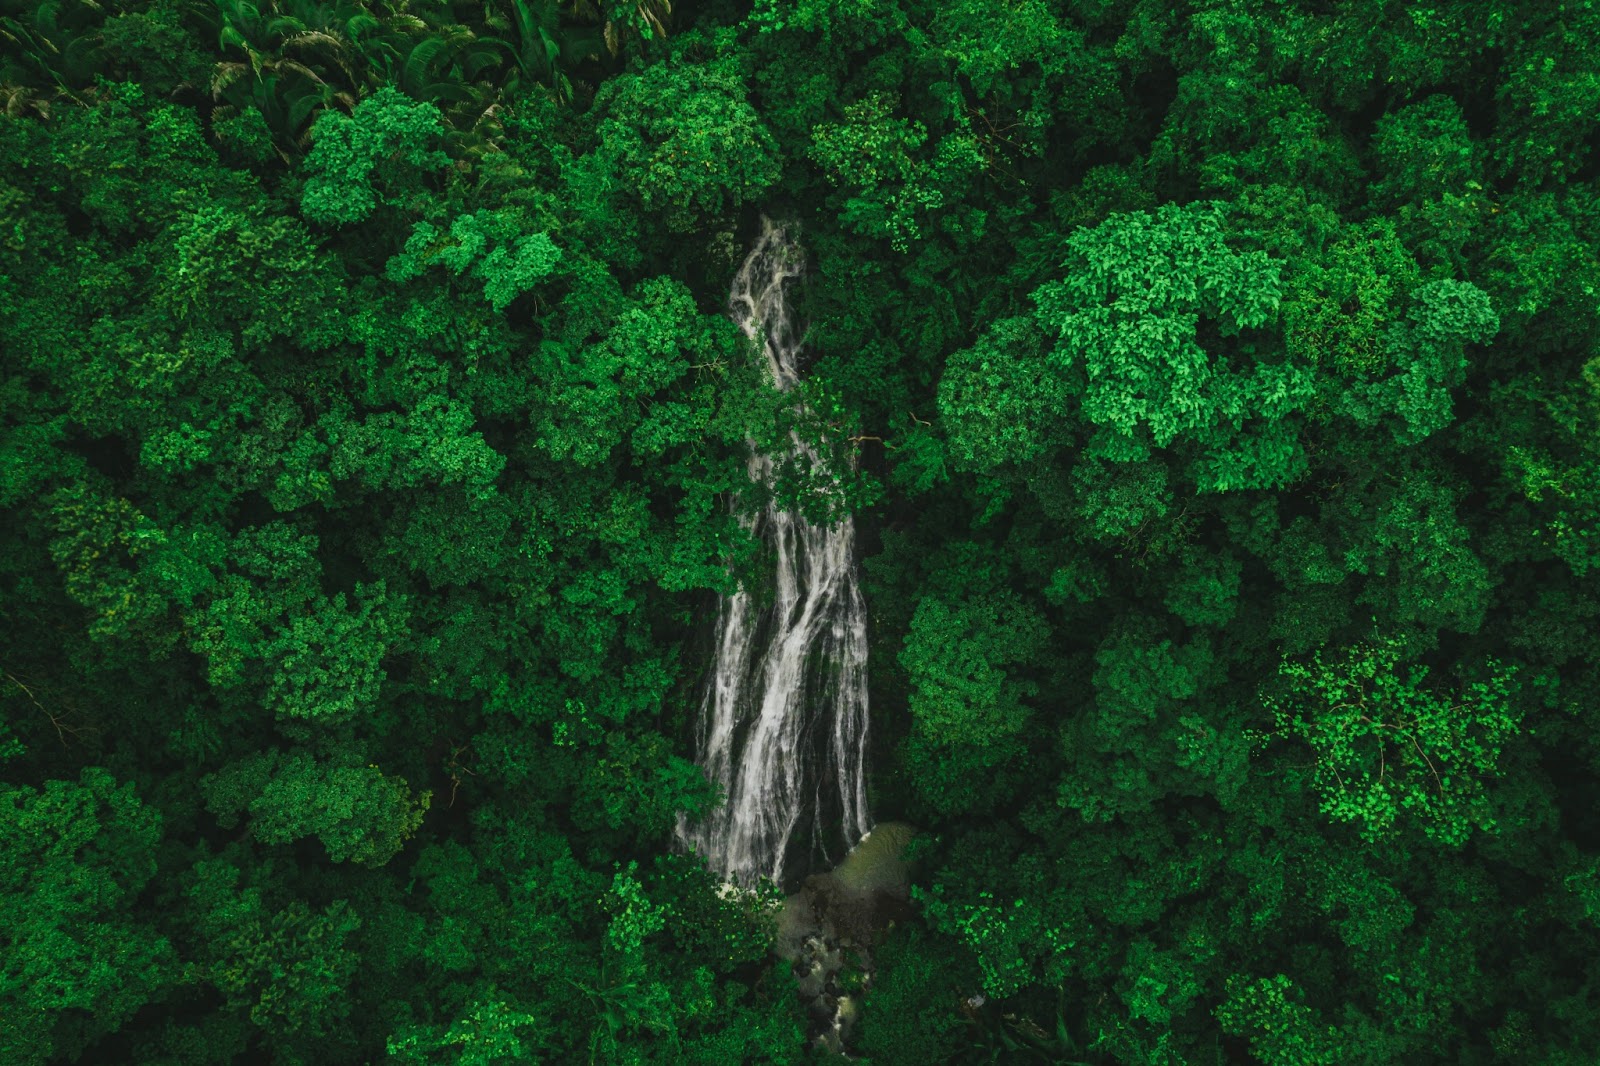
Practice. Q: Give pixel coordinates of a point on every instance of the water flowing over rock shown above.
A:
(783, 722)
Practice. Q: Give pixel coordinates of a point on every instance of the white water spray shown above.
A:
(783, 723)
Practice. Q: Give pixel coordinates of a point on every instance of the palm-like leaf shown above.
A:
(361, 22)
(327, 39)
(241, 25)
(538, 52)
(18, 100)
(417, 75)
(329, 45)
(281, 27)
(288, 58)
(479, 56)
(223, 75)
(57, 46)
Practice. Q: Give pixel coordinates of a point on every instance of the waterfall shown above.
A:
(783, 719)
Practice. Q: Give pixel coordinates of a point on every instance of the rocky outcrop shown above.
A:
(829, 928)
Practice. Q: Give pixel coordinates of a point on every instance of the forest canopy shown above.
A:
(1214, 386)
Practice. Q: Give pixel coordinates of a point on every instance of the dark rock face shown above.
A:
(829, 928)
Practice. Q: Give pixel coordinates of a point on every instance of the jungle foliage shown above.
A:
(1222, 379)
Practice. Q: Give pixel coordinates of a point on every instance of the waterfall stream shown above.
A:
(783, 720)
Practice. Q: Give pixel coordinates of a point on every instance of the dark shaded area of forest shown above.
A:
(1221, 381)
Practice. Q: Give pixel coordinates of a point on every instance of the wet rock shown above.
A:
(813, 983)
(847, 1014)
(828, 928)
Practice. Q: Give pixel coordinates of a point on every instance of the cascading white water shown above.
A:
(783, 722)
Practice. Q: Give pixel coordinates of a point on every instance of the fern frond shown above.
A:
(83, 57)
(299, 68)
(242, 19)
(314, 38)
(418, 63)
(527, 27)
(225, 75)
(300, 110)
(44, 17)
(285, 25)
(19, 100)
